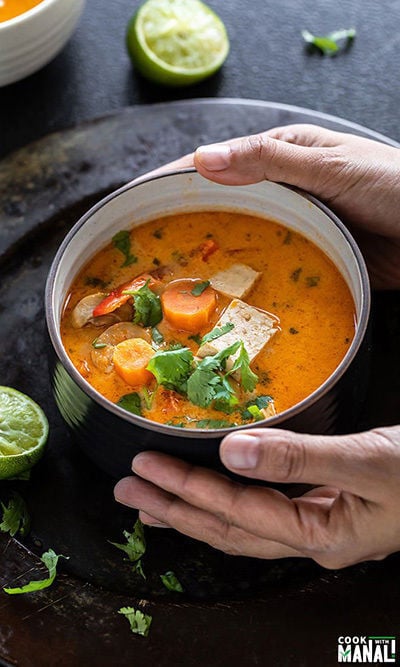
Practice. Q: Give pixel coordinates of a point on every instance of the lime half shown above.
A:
(23, 432)
(176, 42)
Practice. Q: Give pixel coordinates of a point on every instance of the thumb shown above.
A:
(263, 157)
(365, 464)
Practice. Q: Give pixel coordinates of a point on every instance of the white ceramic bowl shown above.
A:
(110, 435)
(29, 41)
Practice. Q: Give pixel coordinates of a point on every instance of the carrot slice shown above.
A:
(116, 298)
(183, 309)
(130, 359)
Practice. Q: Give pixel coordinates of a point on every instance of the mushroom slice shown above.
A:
(83, 311)
(103, 346)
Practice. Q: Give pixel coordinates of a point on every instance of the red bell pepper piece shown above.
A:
(207, 248)
(117, 298)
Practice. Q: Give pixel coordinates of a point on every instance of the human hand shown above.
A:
(354, 517)
(358, 178)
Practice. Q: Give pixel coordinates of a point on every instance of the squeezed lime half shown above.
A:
(176, 42)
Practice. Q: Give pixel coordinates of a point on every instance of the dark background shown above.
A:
(268, 61)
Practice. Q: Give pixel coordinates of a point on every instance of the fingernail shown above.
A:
(240, 451)
(214, 157)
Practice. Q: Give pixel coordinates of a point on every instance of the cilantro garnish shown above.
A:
(214, 423)
(171, 368)
(138, 621)
(217, 332)
(196, 337)
(131, 402)
(135, 546)
(122, 241)
(242, 364)
(157, 336)
(50, 559)
(15, 516)
(206, 384)
(331, 43)
(171, 582)
(148, 310)
(258, 403)
(199, 288)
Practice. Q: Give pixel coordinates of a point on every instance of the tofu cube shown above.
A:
(251, 325)
(235, 282)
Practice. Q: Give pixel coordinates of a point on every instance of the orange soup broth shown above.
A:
(299, 284)
(9, 9)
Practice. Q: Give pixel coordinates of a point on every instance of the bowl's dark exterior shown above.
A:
(111, 442)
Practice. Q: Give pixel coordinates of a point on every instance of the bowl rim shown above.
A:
(29, 13)
(166, 429)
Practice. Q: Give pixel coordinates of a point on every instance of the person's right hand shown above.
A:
(358, 178)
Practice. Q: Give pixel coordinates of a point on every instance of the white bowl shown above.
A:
(29, 41)
(110, 435)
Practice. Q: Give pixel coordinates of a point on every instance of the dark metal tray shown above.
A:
(234, 610)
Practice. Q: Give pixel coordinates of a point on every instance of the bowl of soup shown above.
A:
(32, 32)
(179, 309)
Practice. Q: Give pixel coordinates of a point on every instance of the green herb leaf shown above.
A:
(171, 582)
(122, 241)
(259, 402)
(248, 379)
(147, 305)
(135, 545)
(214, 423)
(255, 412)
(217, 332)
(199, 288)
(196, 337)
(295, 275)
(171, 368)
(206, 384)
(15, 516)
(97, 345)
(50, 559)
(329, 44)
(131, 402)
(312, 281)
(138, 621)
(157, 336)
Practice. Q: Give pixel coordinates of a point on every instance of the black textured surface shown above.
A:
(268, 61)
(235, 610)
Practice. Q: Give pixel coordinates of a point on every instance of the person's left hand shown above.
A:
(353, 517)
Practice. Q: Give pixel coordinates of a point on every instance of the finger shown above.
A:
(150, 520)
(261, 157)
(184, 162)
(166, 509)
(264, 512)
(305, 134)
(363, 463)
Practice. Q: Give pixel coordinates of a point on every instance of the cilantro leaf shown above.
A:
(214, 423)
(15, 516)
(50, 559)
(156, 336)
(135, 546)
(131, 403)
(171, 368)
(206, 384)
(147, 305)
(138, 621)
(171, 582)
(199, 288)
(255, 412)
(122, 241)
(248, 379)
(328, 44)
(217, 332)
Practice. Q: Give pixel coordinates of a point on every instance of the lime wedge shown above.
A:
(176, 42)
(23, 432)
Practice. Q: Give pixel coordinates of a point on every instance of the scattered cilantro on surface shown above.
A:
(135, 546)
(138, 621)
(156, 336)
(50, 559)
(122, 241)
(214, 423)
(15, 516)
(171, 582)
(171, 368)
(258, 402)
(242, 365)
(332, 43)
